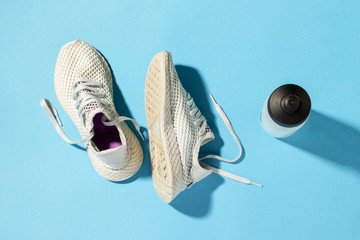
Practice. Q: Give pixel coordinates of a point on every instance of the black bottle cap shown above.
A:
(289, 105)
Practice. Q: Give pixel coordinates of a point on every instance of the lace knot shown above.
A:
(87, 93)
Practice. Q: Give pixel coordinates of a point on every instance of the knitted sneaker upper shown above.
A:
(188, 123)
(77, 60)
(83, 84)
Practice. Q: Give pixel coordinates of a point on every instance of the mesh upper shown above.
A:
(78, 59)
(187, 133)
(75, 60)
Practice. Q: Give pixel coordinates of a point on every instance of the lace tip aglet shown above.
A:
(256, 184)
(50, 110)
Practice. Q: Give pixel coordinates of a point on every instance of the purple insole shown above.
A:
(106, 137)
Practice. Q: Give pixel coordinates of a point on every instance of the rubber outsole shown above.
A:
(165, 162)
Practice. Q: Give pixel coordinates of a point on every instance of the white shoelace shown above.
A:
(200, 119)
(85, 92)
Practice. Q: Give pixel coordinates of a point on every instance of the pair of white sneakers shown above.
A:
(176, 127)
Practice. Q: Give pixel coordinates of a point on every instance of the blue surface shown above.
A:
(238, 50)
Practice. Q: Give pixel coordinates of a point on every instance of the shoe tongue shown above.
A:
(91, 110)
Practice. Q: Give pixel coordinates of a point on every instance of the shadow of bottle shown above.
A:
(329, 139)
(123, 110)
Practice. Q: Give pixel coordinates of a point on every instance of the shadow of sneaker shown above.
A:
(196, 201)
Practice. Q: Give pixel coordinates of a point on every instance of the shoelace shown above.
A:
(84, 92)
(201, 121)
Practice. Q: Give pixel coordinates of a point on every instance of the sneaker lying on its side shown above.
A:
(177, 130)
(83, 85)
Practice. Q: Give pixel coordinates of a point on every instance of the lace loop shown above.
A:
(84, 92)
(121, 119)
(232, 131)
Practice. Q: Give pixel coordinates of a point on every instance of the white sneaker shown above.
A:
(83, 85)
(177, 130)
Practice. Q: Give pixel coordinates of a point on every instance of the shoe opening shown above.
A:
(105, 137)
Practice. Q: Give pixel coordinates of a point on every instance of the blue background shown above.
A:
(240, 51)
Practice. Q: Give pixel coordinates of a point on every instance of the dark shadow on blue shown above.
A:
(196, 201)
(77, 146)
(329, 139)
(123, 110)
(193, 83)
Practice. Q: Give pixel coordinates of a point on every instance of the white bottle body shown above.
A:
(274, 129)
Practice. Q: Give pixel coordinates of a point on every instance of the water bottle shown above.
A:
(285, 111)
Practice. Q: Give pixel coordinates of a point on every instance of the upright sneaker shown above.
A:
(84, 87)
(177, 130)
